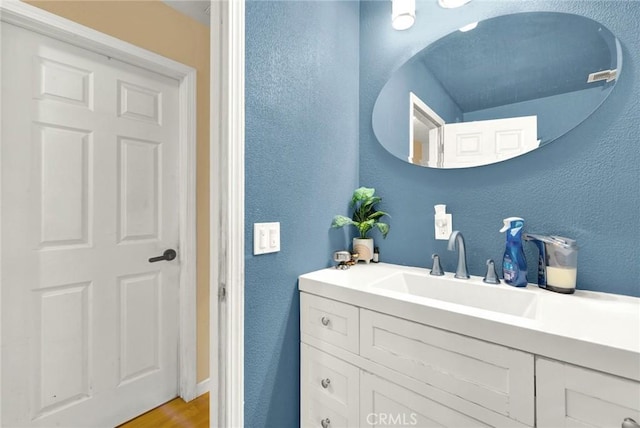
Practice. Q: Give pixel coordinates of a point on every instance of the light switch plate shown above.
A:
(266, 238)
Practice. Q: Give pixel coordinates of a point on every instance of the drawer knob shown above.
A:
(325, 383)
(629, 423)
(325, 423)
(325, 321)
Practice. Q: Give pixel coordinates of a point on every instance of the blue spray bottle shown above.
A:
(514, 264)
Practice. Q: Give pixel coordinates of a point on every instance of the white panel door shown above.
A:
(487, 141)
(89, 194)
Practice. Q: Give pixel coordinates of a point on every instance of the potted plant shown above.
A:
(365, 218)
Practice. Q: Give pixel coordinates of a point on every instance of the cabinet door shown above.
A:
(385, 404)
(491, 376)
(570, 396)
(328, 390)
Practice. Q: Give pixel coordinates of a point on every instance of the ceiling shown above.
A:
(196, 9)
(520, 57)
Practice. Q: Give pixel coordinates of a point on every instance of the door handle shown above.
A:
(168, 255)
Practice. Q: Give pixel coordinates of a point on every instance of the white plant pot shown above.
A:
(364, 248)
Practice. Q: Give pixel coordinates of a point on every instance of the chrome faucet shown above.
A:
(457, 238)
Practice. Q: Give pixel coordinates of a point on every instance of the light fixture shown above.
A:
(450, 4)
(403, 14)
(468, 27)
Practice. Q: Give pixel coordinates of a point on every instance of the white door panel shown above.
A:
(89, 194)
(487, 141)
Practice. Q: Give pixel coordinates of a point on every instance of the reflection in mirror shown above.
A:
(497, 90)
(437, 144)
(425, 143)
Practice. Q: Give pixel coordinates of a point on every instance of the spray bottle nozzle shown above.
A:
(512, 223)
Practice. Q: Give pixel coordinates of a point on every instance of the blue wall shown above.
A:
(301, 168)
(585, 185)
(312, 76)
(556, 114)
(391, 111)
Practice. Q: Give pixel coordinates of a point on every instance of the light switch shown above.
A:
(266, 238)
(262, 238)
(274, 238)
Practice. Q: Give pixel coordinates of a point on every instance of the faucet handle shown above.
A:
(492, 276)
(436, 270)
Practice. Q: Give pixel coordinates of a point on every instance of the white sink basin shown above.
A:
(472, 292)
(595, 330)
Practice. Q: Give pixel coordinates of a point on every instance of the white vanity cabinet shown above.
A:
(403, 348)
(571, 396)
(363, 368)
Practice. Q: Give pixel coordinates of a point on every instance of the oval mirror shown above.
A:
(496, 89)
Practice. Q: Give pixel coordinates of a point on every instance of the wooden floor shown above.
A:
(175, 413)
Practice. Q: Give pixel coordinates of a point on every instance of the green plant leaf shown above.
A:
(367, 204)
(383, 228)
(377, 214)
(364, 227)
(362, 194)
(340, 221)
(367, 207)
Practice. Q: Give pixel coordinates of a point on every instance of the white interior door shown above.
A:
(89, 194)
(487, 141)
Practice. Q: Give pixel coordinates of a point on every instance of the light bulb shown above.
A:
(403, 14)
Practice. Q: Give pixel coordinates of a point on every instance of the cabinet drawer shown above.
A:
(492, 376)
(316, 414)
(330, 321)
(574, 396)
(330, 382)
(386, 404)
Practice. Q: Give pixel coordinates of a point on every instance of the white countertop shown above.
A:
(595, 330)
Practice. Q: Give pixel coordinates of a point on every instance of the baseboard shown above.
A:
(202, 387)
